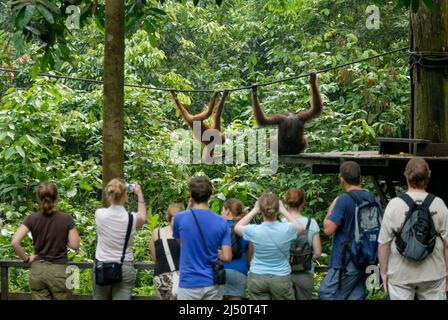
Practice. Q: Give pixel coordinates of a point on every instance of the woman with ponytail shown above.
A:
(52, 231)
(270, 272)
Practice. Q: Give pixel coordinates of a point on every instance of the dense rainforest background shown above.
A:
(52, 129)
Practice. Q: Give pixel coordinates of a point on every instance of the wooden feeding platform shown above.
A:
(386, 166)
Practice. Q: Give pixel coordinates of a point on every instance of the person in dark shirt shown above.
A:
(52, 232)
(344, 281)
(166, 273)
(236, 270)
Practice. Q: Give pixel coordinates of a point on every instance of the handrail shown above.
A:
(6, 264)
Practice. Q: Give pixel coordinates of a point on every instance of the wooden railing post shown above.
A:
(5, 283)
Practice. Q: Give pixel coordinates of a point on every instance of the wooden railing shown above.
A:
(6, 295)
(4, 276)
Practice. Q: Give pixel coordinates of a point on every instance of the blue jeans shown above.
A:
(353, 284)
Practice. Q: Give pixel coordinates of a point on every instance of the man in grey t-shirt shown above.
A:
(404, 278)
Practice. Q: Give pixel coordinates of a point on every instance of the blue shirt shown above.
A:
(343, 216)
(271, 241)
(195, 263)
(241, 263)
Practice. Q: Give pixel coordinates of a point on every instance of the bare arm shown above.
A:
(141, 215)
(246, 219)
(383, 257)
(73, 239)
(184, 113)
(225, 254)
(317, 247)
(219, 110)
(290, 218)
(208, 110)
(152, 245)
(260, 117)
(316, 101)
(16, 242)
(329, 226)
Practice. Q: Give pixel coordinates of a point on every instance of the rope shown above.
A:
(49, 75)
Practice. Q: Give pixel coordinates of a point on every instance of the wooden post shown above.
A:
(430, 86)
(113, 104)
(5, 283)
(430, 33)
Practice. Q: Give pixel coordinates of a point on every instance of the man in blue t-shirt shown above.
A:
(344, 280)
(196, 257)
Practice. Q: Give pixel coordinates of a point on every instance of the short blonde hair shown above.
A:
(115, 190)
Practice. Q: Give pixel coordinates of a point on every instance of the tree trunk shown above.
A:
(113, 104)
(430, 33)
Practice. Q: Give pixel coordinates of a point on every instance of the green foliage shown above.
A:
(52, 130)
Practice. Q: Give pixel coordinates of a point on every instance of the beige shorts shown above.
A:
(431, 290)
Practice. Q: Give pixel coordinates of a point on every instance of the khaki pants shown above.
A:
(430, 290)
(269, 287)
(117, 291)
(204, 293)
(48, 281)
(303, 283)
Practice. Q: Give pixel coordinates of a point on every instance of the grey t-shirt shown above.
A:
(402, 270)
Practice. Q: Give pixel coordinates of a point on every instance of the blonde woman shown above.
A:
(270, 273)
(112, 225)
(52, 231)
(166, 269)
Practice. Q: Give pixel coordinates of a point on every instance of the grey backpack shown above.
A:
(417, 237)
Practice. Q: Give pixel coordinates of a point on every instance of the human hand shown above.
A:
(137, 189)
(174, 94)
(32, 258)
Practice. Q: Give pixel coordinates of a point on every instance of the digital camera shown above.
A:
(130, 187)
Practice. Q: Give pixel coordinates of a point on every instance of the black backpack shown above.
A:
(237, 244)
(417, 236)
(301, 252)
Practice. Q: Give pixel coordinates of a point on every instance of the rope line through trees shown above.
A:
(263, 84)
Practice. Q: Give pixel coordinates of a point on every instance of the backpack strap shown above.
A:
(355, 197)
(128, 235)
(207, 252)
(308, 224)
(166, 248)
(428, 200)
(408, 200)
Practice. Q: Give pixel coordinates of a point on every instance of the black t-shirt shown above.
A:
(50, 235)
(162, 265)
